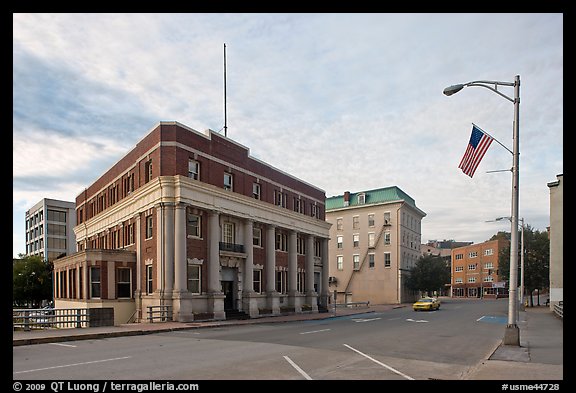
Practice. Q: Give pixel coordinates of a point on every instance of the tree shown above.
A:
(429, 274)
(31, 281)
(536, 262)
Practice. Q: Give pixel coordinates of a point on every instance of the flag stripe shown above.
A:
(477, 147)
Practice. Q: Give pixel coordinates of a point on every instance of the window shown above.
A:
(300, 282)
(472, 254)
(123, 283)
(279, 198)
(361, 198)
(489, 251)
(317, 248)
(130, 236)
(300, 245)
(149, 280)
(371, 261)
(194, 224)
(386, 259)
(371, 239)
(339, 224)
(340, 262)
(297, 204)
(387, 238)
(459, 256)
(356, 240)
(471, 279)
(370, 220)
(458, 281)
(95, 282)
(193, 169)
(228, 233)
(488, 279)
(472, 267)
(149, 227)
(355, 222)
(257, 237)
(387, 220)
(459, 269)
(314, 211)
(257, 281)
(55, 215)
(228, 181)
(193, 278)
(489, 265)
(356, 261)
(256, 190)
(281, 242)
(340, 240)
(281, 281)
(148, 171)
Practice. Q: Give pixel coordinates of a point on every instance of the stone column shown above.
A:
(273, 297)
(182, 306)
(293, 294)
(311, 295)
(215, 295)
(249, 300)
(325, 291)
(168, 230)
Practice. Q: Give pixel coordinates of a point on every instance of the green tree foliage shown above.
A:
(31, 281)
(429, 274)
(536, 261)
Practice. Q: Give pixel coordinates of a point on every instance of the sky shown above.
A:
(344, 101)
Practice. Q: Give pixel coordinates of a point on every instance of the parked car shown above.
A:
(426, 304)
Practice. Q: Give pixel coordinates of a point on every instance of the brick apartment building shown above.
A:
(375, 239)
(475, 270)
(190, 222)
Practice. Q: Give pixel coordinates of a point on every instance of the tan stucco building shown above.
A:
(375, 238)
(556, 240)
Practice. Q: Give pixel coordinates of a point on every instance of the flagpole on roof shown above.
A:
(474, 125)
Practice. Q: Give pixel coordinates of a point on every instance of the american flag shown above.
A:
(477, 147)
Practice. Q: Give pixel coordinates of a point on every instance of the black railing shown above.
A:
(231, 247)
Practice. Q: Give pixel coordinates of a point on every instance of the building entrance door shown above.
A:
(228, 290)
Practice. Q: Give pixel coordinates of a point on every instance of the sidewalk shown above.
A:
(539, 357)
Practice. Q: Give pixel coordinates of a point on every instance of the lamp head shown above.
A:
(453, 89)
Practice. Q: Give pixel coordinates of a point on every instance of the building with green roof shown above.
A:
(375, 239)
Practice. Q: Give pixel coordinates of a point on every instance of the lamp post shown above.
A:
(512, 333)
(522, 251)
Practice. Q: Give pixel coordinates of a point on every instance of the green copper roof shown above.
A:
(380, 195)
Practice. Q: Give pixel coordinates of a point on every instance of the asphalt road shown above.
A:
(398, 344)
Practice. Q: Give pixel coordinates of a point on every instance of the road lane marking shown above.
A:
(316, 331)
(366, 320)
(380, 363)
(70, 365)
(413, 320)
(64, 345)
(302, 372)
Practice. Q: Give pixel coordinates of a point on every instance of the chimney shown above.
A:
(347, 198)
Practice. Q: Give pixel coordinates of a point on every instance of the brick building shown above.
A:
(190, 222)
(475, 270)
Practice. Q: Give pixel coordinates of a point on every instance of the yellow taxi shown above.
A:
(426, 304)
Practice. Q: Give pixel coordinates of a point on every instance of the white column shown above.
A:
(138, 252)
(270, 259)
(249, 262)
(214, 253)
(168, 230)
(292, 264)
(180, 248)
(310, 264)
(325, 272)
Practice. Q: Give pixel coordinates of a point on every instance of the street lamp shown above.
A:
(512, 333)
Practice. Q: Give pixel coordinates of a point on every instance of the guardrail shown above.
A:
(159, 313)
(559, 309)
(57, 318)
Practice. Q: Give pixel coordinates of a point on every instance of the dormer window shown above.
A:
(361, 199)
